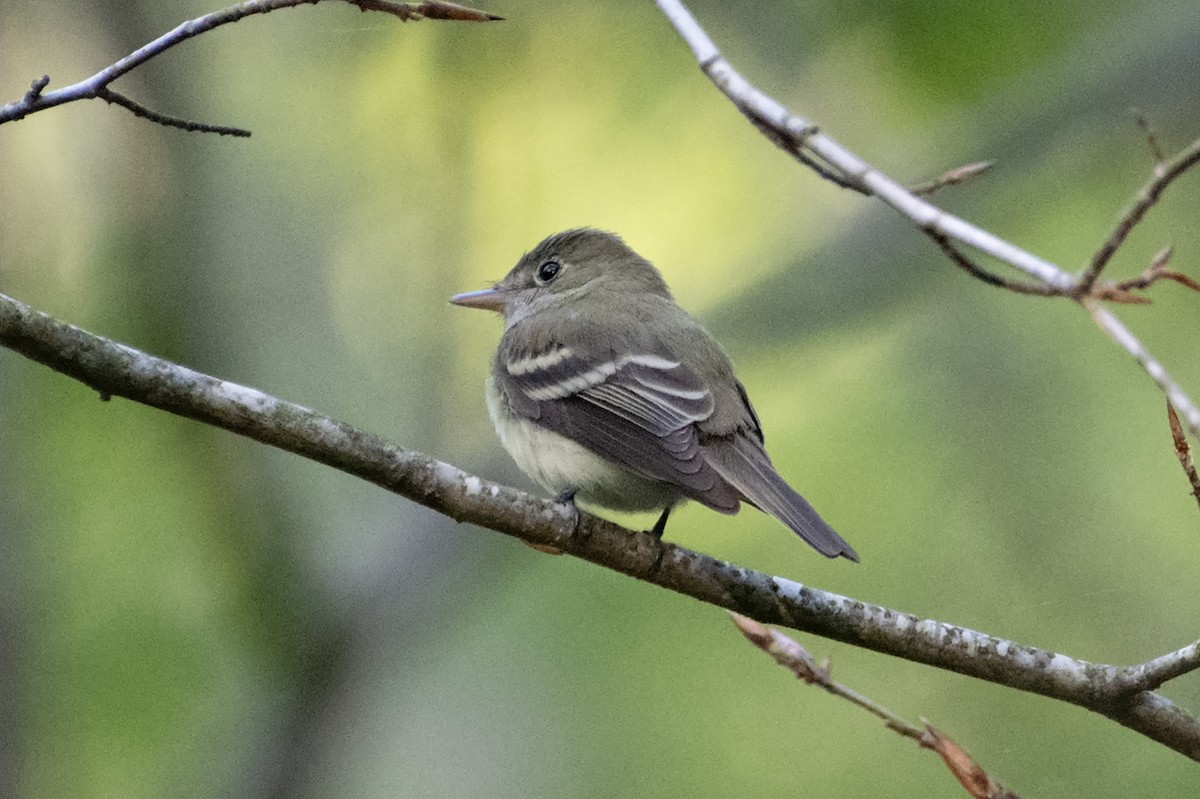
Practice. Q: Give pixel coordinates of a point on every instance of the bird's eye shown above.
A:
(548, 271)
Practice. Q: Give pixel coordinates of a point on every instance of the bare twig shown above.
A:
(1151, 139)
(35, 89)
(117, 370)
(432, 10)
(36, 99)
(1181, 279)
(1152, 674)
(1183, 452)
(795, 132)
(790, 654)
(1158, 373)
(1112, 292)
(1156, 271)
(801, 137)
(1153, 273)
(1165, 173)
(961, 260)
(977, 782)
(139, 110)
(954, 177)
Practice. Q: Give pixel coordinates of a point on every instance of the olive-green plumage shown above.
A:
(603, 388)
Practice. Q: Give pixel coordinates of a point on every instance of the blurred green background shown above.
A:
(186, 613)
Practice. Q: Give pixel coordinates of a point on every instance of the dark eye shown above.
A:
(548, 271)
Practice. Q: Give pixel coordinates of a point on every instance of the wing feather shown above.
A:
(742, 462)
(637, 410)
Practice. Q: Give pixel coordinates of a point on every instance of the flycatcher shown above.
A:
(606, 390)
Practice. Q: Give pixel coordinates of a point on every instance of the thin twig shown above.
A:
(1109, 323)
(1151, 139)
(954, 177)
(1152, 674)
(116, 370)
(960, 259)
(38, 100)
(1165, 173)
(1152, 274)
(139, 110)
(1122, 291)
(789, 653)
(35, 89)
(1183, 452)
(800, 135)
(432, 10)
(768, 113)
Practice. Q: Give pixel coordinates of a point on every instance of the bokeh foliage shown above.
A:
(186, 613)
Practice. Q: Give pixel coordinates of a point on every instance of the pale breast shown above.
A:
(558, 464)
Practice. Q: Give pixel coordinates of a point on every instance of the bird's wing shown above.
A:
(743, 463)
(639, 410)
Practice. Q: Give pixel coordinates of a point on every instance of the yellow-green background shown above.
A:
(186, 613)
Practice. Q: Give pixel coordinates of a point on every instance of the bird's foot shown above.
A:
(568, 498)
(660, 525)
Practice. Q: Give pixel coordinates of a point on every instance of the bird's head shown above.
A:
(576, 267)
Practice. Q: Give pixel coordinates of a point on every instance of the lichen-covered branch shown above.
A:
(1150, 675)
(116, 370)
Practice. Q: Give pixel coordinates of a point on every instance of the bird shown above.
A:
(604, 390)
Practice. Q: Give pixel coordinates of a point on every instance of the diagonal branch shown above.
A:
(37, 99)
(1153, 673)
(1110, 324)
(1165, 173)
(789, 653)
(1183, 452)
(792, 131)
(114, 369)
(138, 110)
(955, 177)
(810, 146)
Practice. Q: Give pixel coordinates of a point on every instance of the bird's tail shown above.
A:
(743, 464)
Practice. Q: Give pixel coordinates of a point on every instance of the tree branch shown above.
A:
(114, 369)
(1183, 452)
(37, 99)
(955, 177)
(1165, 173)
(1108, 322)
(813, 148)
(1153, 673)
(138, 110)
(789, 653)
(793, 131)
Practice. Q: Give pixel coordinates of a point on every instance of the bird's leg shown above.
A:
(661, 524)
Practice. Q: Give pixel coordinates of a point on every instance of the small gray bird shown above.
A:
(606, 390)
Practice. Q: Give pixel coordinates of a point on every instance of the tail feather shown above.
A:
(743, 464)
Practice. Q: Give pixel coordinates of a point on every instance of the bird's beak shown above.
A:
(488, 299)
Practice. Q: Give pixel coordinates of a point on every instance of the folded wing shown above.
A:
(742, 462)
(639, 410)
(646, 412)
